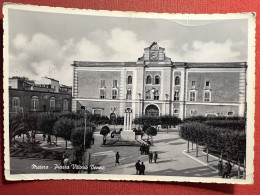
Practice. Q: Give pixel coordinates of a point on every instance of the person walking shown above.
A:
(150, 157)
(229, 169)
(220, 168)
(155, 156)
(137, 166)
(225, 172)
(142, 169)
(117, 158)
(142, 149)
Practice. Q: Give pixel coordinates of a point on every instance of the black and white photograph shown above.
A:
(109, 95)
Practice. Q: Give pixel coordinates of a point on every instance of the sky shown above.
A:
(46, 44)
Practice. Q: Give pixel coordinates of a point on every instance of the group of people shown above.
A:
(224, 170)
(140, 168)
(144, 148)
(153, 156)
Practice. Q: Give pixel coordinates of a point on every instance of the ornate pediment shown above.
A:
(154, 55)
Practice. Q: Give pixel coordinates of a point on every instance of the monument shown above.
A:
(127, 133)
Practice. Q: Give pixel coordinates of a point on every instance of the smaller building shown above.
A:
(33, 96)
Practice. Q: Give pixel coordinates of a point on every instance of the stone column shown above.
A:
(130, 120)
(125, 121)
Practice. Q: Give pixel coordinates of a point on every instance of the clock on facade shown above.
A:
(154, 55)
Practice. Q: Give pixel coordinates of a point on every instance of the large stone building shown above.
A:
(38, 96)
(155, 85)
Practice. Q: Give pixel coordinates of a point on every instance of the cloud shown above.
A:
(125, 45)
(212, 51)
(41, 55)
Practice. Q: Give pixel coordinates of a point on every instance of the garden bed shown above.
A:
(33, 150)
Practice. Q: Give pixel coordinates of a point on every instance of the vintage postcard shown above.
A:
(109, 95)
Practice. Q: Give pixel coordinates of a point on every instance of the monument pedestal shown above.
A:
(128, 135)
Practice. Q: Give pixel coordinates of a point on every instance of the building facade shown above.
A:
(154, 85)
(29, 96)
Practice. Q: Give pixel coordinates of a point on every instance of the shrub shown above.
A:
(105, 130)
(231, 124)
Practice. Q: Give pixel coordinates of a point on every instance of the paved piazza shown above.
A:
(172, 158)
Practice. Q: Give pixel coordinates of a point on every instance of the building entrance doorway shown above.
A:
(152, 110)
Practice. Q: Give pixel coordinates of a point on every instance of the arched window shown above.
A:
(129, 79)
(148, 79)
(177, 80)
(157, 80)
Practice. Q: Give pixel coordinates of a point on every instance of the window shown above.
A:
(102, 84)
(207, 97)
(156, 95)
(114, 93)
(114, 83)
(129, 80)
(35, 103)
(148, 95)
(157, 80)
(128, 94)
(231, 113)
(177, 80)
(192, 96)
(176, 96)
(65, 105)
(102, 94)
(97, 112)
(175, 111)
(148, 79)
(52, 103)
(207, 83)
(193, 83)
(16, 102)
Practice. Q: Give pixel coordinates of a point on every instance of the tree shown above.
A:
(104, 131)
(236, 147)
(63, 128)
(16, 127)
(77, 137)
(77, 140)
(46, 122)
(30, 124)
(151, 131)
(168, 120)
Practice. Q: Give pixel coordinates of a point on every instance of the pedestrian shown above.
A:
(92, 140)
(150, 157)
(137, 166)
(142, 169)
(220, 168)
(117, 158)
(147, 149)
(155, 157)
(225, 171)
(142, 149)
(229, 169)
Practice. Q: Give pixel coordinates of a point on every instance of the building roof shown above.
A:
(154, 64)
